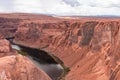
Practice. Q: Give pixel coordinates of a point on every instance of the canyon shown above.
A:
(88, 47)
(14, 66)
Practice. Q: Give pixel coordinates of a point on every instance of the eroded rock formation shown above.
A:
(20, 68)
(8, 26)
(90, 48)
(17, 67)
(5, 47)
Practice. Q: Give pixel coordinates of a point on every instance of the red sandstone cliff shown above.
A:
(88, 46)
(17, 67)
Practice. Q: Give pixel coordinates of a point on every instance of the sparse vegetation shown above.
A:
(22, 53)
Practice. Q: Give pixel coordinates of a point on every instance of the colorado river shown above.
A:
(42, 60)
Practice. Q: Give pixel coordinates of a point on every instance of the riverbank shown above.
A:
(58, 69)
(14, 66)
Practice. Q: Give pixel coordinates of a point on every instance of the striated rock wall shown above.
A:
(90, 48)
(8, 26)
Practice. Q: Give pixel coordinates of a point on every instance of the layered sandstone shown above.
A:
(17, 67)
(90, 48)
(8, 26)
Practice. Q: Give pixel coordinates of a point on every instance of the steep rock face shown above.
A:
(10, 22)
(90, 48)
(8, 26)
(17, 67)
(20, 68)
(5, 47)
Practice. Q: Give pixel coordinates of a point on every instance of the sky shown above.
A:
(62, 7)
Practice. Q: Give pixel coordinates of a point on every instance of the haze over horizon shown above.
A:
(62, 7)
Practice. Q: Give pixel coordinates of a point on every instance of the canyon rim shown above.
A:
(59, 39)
(88, 48)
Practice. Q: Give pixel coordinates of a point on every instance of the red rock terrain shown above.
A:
(17, 67)
(20, 68)
(5, 47)
(88, 46)
(8, 26)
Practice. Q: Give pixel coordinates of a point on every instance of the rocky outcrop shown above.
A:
(90, 48)
(5, 47)
(20, 68)
(17, 67)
